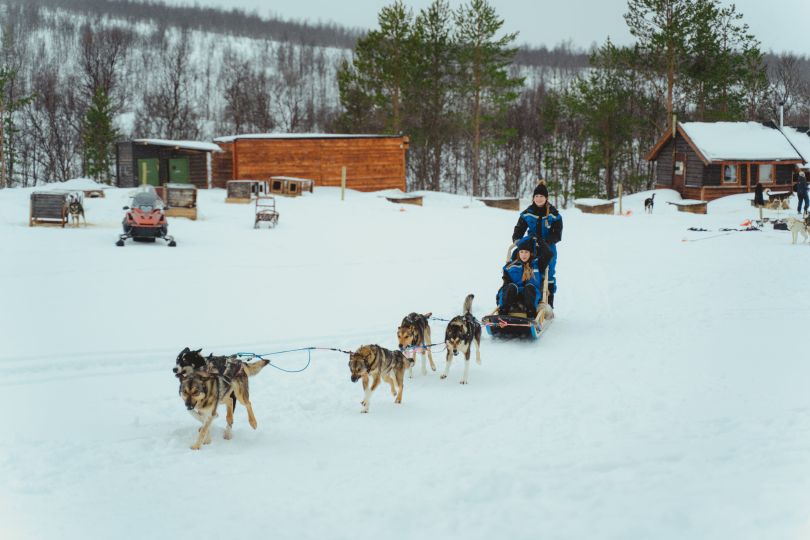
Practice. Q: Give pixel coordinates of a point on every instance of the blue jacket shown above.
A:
(801, 186)
(513, 273)
(547, 219)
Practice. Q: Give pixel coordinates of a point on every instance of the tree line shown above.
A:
(484, 116)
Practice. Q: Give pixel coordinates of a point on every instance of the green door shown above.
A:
(148, 172)
(178, 170)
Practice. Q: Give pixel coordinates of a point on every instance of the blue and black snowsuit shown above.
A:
(543, 224)
(801, 193)
(515, 288)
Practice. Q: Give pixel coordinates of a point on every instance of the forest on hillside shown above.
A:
(484, 116)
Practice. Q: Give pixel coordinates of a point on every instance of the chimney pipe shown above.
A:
(781, 115)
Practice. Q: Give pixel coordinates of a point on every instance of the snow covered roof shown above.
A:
(800, 141)
(733, 141)
(743, 141)
(232, 138)
(187, 145)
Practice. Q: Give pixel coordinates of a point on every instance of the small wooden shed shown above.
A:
(707, 160)
(373, 162)
(162, 162)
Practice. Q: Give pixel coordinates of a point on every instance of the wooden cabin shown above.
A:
(373, 162)
(704, 161)
(159, 162)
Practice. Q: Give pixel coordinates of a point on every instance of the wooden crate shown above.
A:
(240, 191)
(290, 186)
(505, 203)
(692, 207)
(181, 200)
(608, 207)
(94, 193)
(414, 199)
(48, 208)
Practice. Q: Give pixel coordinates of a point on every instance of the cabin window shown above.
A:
(729, 174)
(679, 167)
(765, 173)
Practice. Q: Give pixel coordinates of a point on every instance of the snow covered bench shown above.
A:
(506, 203)
(48, 207)
(691, 206)
(595, 206)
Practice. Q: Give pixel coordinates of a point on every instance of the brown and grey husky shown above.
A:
(462, 331)
(414, 333)
(381, 365)
(222, 379)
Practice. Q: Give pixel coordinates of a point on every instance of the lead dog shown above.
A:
(379, 364)
(414, 332)
(462, 331)
(796, 227)
(207, 382)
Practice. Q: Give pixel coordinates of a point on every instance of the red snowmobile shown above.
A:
(145, 221)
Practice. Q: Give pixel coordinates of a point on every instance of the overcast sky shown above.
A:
(780, 25)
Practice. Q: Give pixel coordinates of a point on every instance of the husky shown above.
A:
(207, 382)
(414, 332)
(462, 331)
(796, 227)
(649, 202)
(379, 364)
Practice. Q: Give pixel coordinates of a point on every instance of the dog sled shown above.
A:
(145, 220)
(516, 323)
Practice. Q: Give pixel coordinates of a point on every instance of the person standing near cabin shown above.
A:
(801, 193)
(759, 198)
(544, 223)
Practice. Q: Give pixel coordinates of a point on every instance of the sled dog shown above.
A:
(76, 210)
(796, 227)
(649, 202)
(220, 379)
(414, 331)
(379, 364)
(462, 331)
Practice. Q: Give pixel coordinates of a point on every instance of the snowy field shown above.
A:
(668, 401)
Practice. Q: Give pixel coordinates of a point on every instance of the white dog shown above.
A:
(796, 226)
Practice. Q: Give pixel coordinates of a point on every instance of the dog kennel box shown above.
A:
(48, 208)
(243, 191)
(181, 200)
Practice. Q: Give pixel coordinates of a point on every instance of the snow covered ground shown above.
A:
(669, 400)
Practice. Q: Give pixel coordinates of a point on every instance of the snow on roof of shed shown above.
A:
(800, 141)
(232, 138)
(187, 145)
(743, 141)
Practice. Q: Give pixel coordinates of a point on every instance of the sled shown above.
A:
(516, 324)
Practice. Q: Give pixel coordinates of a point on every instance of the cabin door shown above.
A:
(679, 172)
(148, 172)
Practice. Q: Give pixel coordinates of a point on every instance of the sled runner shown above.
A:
(516, 324)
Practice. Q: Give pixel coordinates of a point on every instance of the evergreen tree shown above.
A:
(484, 60)
(98, 137)
(662, 29)
(428, 94)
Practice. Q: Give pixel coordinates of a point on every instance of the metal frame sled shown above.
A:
(516, 324)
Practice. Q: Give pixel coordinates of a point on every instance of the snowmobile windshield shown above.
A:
(146, 202)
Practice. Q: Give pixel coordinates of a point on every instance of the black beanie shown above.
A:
(541, 189)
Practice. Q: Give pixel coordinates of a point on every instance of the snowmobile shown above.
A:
(516, 324)
(145, 220)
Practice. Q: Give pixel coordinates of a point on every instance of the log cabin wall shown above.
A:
(665, 166)
(372, 163)
(128, 153)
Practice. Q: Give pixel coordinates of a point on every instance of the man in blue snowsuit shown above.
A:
(523, 278)
(542, 222)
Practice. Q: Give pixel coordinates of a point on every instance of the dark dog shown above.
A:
(414, 332)
(76, 209)
(379, 364)
(207, 382)
(649, 203)
(462, 331)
